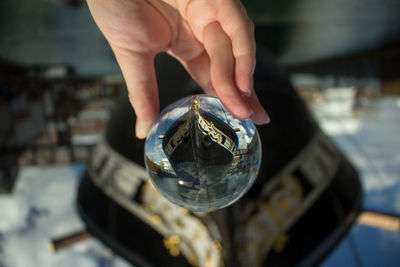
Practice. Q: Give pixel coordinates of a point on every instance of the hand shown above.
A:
(213, 39)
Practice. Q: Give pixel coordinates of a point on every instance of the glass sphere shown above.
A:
(199, 156)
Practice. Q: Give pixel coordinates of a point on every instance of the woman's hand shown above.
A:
(213, 39)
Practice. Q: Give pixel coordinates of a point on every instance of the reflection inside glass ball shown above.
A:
(199, 156)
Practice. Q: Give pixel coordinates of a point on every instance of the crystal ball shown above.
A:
(199, 156)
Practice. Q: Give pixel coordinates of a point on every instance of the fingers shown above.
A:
(219, 49)
(139, 74)
(259, 115)
(190, 52)
(232, 56)
(240, 29)
(199, 69)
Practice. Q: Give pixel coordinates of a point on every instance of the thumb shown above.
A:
(140, 77)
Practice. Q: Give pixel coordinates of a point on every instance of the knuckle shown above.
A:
(247, 24)
(250, 24)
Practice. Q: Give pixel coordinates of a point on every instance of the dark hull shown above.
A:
(309, 238)
(312, 237)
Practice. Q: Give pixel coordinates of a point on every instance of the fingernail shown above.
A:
(250, 88)
(267, 119)
(262, 119)
(247, 91)
(142, 128)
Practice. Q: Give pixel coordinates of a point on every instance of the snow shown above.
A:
(42, 207)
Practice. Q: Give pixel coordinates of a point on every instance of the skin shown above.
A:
(213, 39)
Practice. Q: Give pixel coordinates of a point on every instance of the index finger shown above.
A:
(238, 26)
(218, 47)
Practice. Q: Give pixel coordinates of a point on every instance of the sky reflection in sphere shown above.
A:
(199, 156)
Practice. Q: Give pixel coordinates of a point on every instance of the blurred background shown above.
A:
(59, 79)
